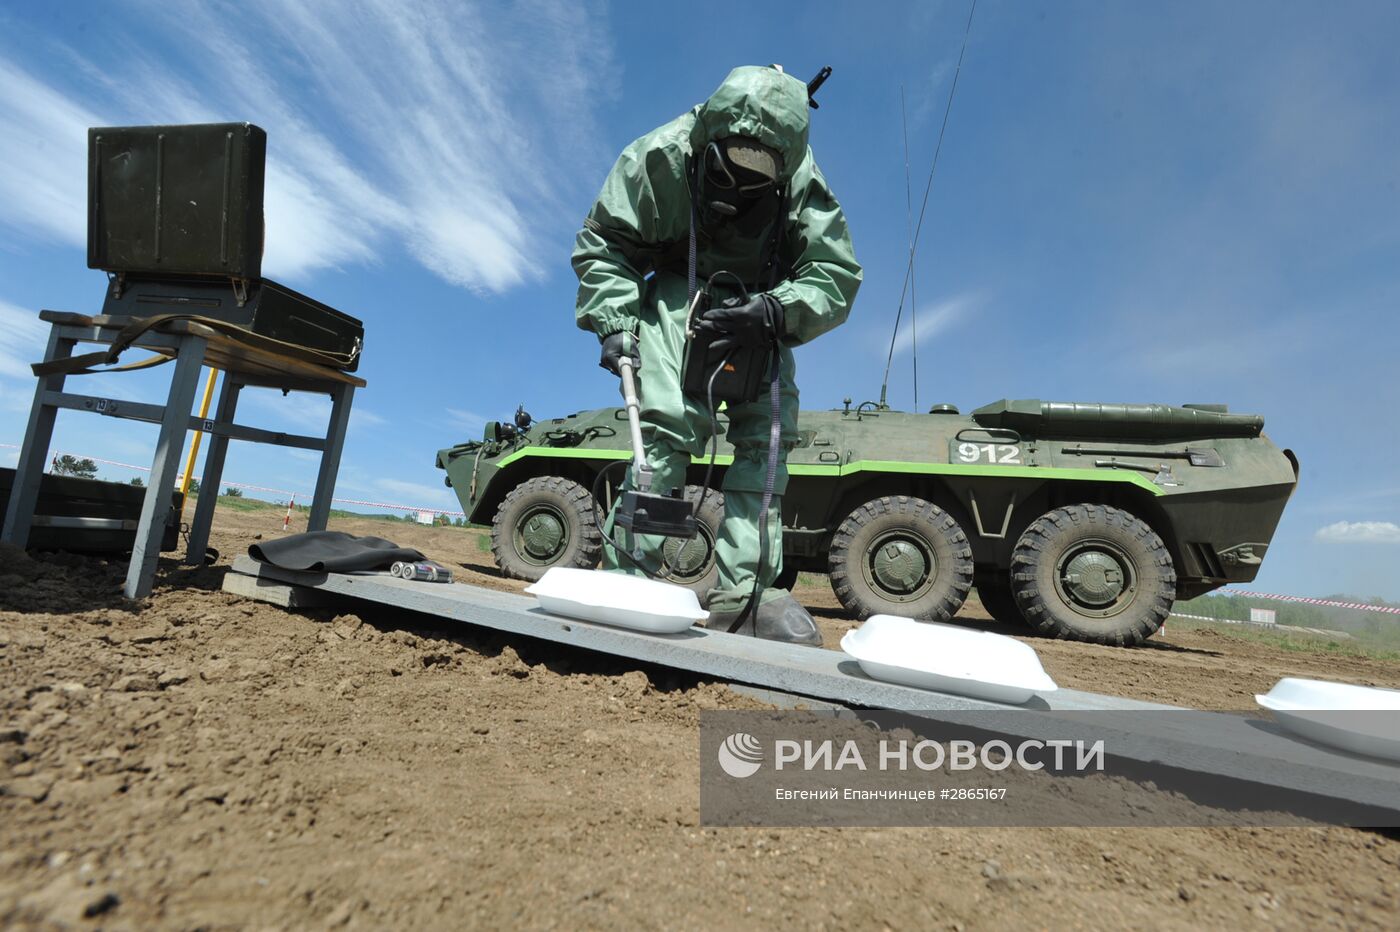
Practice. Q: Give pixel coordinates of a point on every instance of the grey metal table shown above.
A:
(191, 345)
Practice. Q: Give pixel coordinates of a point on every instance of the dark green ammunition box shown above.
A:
(177, 199)
(266, 308)
(89, 515)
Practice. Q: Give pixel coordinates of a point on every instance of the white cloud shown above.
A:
(1240, 349)
(311, 413)
(417, 495)
(467, 420)
(932, 321)
(429, 126)
(44, 153)
(22, 340)
(1360, 532)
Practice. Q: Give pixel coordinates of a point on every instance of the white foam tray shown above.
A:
(1360, 719)
(948, 659)
(618, 600)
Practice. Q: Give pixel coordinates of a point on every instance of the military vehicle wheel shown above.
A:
(994, 592)
(692, 562)
(1093, 573)
(901, 556)
(545, 522)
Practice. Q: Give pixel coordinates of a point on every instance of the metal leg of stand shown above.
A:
(29, 471)
(155, 509)
(341, 397)
(213, 473)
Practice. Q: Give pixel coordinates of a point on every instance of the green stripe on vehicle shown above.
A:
(564, 453)
(835, 470)
(974, 469)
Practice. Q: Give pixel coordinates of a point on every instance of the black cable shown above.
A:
(774, 426)
(602, 522)
(704, 489)
(714, 431)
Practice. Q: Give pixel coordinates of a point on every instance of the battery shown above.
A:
(422, 572)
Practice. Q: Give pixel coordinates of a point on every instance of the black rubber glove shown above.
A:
(756, 322)
(617, 345)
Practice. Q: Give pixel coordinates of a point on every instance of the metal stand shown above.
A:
(191, 346)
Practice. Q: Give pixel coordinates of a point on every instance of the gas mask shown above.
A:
(738, 181)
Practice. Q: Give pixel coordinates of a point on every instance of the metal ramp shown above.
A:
(1244, 751)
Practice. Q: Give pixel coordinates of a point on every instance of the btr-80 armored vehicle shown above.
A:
(1084, 520)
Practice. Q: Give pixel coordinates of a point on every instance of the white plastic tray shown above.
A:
(617, 599)
(948, 659)
(1361, 719)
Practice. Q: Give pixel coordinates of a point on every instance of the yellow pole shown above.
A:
(194, 444)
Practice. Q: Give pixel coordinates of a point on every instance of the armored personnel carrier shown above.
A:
(1085, 521)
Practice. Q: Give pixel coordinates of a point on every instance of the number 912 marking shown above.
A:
(1000, 454)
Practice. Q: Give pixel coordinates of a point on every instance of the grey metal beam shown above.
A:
(154, 414)
(1246, 750)
(787, 667)
(38, 434)
(276, 593)
(341, 398)
(256, 434)
(155, 507)
(110, 407)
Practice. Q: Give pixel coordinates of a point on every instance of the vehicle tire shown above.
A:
(692, 562)
(1093, 573)
(994, 592)
(545, 522)
(899, 555)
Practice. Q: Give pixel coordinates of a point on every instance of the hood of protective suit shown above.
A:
(761, 102)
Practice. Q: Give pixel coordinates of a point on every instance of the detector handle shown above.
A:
(641, 472)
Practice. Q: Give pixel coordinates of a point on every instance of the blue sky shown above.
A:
(1135, 202)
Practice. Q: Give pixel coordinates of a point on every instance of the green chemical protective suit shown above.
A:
(631, 260)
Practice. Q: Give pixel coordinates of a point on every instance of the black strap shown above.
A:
(690, 283)
(770, 481)
(775, 427)
(80, 365)
(775, 258)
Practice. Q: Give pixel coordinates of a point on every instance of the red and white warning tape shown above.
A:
(391, 506)
(396, 507)
(1327, 603)
(1225, 621)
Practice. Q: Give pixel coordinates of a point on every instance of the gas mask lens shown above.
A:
(720, 176)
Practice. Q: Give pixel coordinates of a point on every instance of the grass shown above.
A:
(1293, 641)
(238, 502)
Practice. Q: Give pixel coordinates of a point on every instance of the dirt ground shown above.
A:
(199, 761)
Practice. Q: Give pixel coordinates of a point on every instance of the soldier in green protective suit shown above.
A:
(735, 180)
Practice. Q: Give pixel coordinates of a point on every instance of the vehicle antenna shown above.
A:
(918, 228)
(909, 230)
